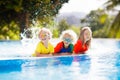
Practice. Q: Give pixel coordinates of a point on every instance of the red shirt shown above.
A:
(79, 48)
(61, 49)
(58, 47)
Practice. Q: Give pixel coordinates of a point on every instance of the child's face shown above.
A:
(67, 40)
(87, 35)
(44, 36)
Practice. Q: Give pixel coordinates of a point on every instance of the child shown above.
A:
(65, 47)
(83, 41)
(44, 47)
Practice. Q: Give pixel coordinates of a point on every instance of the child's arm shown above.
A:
(58, 47)
(43, 55)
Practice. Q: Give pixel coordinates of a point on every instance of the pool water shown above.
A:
(101, 62)
(56, 68)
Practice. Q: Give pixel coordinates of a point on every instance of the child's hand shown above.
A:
(50, 54)
(73, 53)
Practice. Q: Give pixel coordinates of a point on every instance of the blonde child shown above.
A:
(65, 46)
(44, 47)
(83, 41)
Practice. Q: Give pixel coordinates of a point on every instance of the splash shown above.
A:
(30, 33)
(29, 39)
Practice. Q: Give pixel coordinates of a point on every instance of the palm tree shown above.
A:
(114, 29)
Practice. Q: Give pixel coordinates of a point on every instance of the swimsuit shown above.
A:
(79, 48)
(43, 50)
(61, 49)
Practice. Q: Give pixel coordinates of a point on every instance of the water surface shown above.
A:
(101, 62)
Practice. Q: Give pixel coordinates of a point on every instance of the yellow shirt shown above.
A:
(43, 50)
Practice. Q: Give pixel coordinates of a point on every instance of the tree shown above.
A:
(62, 25)
(114, 29)
(98, 20)
(23, 12)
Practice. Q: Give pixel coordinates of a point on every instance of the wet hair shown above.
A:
(81, 36)
(71, 33)
(46, 30)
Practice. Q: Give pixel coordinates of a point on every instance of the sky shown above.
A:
(84, 6)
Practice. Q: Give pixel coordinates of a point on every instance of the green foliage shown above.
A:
(36, 9)
(24, 12)
(75, 29)
(110, 4)
(99, 21)
(95, 19)
(10, 31)
(63, 25)
(55, 33)
(101, 33)
(114, 29)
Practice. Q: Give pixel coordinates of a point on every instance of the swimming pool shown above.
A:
(101, 62)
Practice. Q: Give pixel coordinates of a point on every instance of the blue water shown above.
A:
(102, 62)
